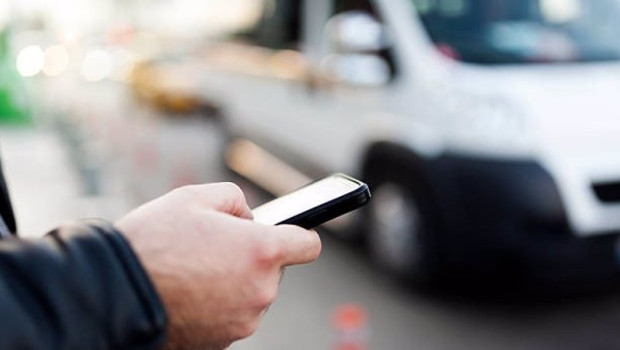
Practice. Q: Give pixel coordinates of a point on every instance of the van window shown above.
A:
(523, 31)
(279, 26)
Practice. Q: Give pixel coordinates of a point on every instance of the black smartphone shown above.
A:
(316, 203)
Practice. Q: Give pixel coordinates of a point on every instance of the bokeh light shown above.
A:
(56, 61)
(30, 61)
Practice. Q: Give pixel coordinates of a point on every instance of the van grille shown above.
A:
(607, 192)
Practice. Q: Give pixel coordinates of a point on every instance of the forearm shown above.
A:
(80, 287)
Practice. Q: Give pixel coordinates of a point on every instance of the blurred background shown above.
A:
(487, 130)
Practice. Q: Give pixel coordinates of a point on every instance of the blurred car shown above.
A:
(160, 83)
(487, 129)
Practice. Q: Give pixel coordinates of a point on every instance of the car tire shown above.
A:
(401, 226)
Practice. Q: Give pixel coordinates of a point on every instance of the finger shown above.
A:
(297, 245)
(227, 197)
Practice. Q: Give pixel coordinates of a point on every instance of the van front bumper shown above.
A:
(507, 218)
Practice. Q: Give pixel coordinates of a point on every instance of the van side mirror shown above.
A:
(355, 40)
(356, 32)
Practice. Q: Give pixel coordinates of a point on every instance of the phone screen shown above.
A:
(304, 199)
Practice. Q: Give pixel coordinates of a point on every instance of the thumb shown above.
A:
(297, 245)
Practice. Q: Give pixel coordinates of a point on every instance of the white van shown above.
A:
(489, 130)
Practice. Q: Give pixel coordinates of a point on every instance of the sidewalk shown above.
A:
(44, 186)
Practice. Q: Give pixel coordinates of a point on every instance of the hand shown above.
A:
(215, 270)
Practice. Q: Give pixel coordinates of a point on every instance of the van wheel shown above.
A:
(400, 227)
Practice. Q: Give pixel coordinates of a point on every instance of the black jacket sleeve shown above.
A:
(6, 210)
(81, 287)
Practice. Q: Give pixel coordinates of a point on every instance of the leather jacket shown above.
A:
(80, 287)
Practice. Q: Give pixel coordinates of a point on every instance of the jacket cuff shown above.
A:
(149, 298)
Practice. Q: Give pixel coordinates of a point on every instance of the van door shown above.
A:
(281, 96)
(322, 119)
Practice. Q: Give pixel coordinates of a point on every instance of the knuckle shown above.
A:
(178, 191)
(233, 188)
(268, 252)
(234, 198)
(266, 297)
(185, 190)
(245, 329)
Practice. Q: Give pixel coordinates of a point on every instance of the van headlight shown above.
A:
(487, 126)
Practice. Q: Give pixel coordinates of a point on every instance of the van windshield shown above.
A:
(523, 31)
